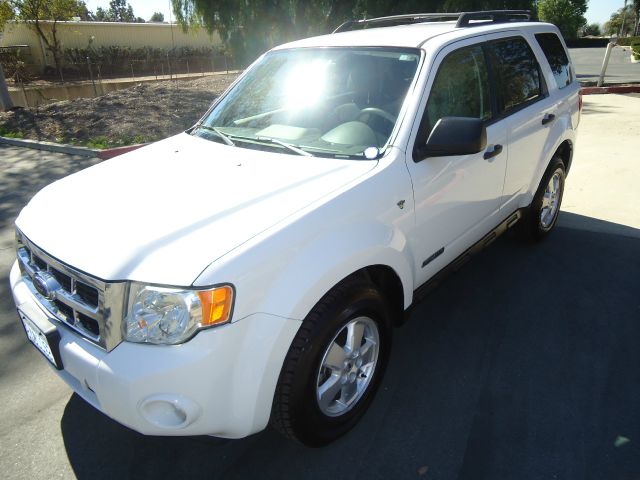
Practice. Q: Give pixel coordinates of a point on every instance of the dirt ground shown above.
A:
(144, 113)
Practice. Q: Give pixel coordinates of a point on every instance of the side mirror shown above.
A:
(453, 136)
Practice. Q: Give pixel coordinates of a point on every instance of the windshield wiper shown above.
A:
(286, 145)
(215, 130)
(293, 148)
(228, 140)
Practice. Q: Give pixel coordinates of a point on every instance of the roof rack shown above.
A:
(464, 19)
(493, 16)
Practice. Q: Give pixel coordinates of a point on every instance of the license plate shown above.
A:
(47, 344)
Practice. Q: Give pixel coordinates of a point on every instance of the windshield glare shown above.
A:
(337, 102)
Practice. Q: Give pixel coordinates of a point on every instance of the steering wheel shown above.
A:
(378, 112)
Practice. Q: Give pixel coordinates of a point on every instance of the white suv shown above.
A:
(251, 270)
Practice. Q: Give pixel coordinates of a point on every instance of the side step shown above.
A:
(421, 292)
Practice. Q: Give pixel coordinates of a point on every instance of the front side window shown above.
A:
(517, 72)
(335, 102)
(557, 58)
(460, 89)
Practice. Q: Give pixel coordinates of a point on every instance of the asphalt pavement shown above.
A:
(588, 64)
(523, 365)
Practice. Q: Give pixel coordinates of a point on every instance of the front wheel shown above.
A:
(334, 365)
(542, 214)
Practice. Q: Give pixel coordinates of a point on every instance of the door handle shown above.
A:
(496, 150)
(548, 118)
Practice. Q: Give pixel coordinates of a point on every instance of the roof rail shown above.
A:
(396, 20)
(493, 16)
(463, 19)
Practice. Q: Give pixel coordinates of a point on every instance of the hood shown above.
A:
(163, 213)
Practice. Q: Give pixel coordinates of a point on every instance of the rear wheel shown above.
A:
(542, 214)
(334, 365)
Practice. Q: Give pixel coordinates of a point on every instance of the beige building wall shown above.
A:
(134, 35)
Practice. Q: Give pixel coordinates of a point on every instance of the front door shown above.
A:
(457, 198)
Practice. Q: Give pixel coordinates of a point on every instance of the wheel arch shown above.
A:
(388, 283)
(565, 152)
(562, 147)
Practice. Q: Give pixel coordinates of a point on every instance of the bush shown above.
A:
(628, 41)
(635, 50)
(118, 60)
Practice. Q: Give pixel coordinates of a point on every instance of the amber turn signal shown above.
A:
(216, 305)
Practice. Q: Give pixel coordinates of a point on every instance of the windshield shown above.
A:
(337, 102)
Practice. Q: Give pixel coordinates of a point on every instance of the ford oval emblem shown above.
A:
(45, 284)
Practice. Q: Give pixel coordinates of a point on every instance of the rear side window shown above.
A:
(517, 71)
(557, 58)
(460, 89)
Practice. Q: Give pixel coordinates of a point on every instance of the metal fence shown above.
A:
(94, 78)
(19, 72)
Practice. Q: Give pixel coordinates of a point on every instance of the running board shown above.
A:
(422, 291)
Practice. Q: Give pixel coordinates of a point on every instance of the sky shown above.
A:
(599, 10)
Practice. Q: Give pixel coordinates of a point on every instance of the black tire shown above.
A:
(532, 227)
(296, 411)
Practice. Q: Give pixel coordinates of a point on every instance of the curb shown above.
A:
(50, 147)
(70, 149)
(612, 89)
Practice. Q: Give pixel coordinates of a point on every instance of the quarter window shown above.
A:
(460, 89)
(557, 58)
(517, 72)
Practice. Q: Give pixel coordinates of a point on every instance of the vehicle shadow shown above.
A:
(524, 364)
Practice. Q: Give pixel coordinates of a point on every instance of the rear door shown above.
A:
(525, 105)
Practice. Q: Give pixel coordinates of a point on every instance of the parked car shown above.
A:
(251, 269)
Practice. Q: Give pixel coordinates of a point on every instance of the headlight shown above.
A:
(168, 315)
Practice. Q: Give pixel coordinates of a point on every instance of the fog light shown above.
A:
(168, 411)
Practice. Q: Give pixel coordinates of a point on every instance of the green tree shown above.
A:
(43, 16)
(592, 30)
(567, 15)
(157, 17)
(250, 27)
(120, 11)
(614, 25)
(101, 15)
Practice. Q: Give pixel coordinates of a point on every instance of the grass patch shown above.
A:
(98, 143)
(4, 132)
(102, 142)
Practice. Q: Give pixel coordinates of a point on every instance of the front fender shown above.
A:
(311, 273)
(286, 270)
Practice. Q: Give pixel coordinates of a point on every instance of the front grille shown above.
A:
(90, 306)
(63, 279)
(89, 324)
(87, 293)
(66, 311)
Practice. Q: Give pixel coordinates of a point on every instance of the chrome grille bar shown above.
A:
(99, 323)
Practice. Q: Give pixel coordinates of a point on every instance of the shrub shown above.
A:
(627, 41)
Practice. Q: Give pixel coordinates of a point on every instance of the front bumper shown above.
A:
(219, 383)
